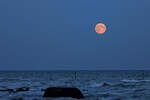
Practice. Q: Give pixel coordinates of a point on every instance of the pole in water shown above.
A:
(143, 75)
(75, 76)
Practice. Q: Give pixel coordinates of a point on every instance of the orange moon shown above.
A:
(100, 28)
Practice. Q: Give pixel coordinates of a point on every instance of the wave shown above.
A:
(135, 80)
(124, 85)
(104, 84)
(100, 84)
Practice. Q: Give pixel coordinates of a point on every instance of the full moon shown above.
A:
(100, 28)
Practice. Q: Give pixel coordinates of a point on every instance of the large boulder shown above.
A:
(63, 92)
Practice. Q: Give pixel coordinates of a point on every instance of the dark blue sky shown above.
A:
(59, 34)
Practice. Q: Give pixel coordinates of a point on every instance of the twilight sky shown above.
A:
(59, 34)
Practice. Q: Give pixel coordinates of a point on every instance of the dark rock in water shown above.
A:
(43, 89)
(63, 92)
(17, 99)
(105, 84)
(22, 89)
(8, 90)
(35, 99)
(17, 90)
(117, 99)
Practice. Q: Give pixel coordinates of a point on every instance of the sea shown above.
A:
(95, 85)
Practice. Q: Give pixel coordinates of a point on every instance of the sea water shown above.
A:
(95, 85)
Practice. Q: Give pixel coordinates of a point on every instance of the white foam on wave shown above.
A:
(135, 80)
(99, 84)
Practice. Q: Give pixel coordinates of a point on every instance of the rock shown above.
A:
(8, 90)
(17, 90)
(43, 89)
(117, 99)
(22, 89)
(105, 84)
(17, 99)
(63, 92)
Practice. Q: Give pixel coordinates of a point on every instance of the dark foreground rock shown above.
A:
(63, 92)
